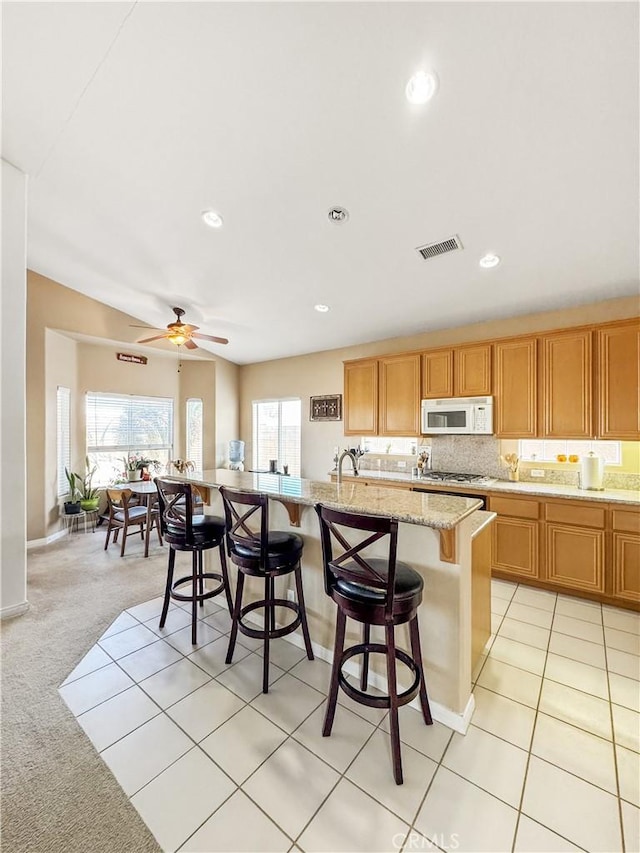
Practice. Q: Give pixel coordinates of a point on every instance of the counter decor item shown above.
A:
(512, 463)
(182, 466)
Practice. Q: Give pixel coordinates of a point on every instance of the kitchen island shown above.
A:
(443, 537)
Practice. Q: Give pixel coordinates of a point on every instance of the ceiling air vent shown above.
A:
(441, 248)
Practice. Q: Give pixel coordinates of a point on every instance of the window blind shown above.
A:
(195, 432)
(63, 437)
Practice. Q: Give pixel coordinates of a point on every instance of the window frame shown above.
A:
(198, 463)
(284, 448)
(63, 439)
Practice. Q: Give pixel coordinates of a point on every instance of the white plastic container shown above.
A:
(592, 472)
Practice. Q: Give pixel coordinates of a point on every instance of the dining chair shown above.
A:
(128, 517)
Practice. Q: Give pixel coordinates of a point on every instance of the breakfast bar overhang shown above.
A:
(445, 538)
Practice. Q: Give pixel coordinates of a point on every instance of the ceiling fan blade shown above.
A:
(148, 340)
(190, 344)
(211, 338)
(190, 327)
(151, 328)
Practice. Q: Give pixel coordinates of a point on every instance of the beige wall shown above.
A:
(322, 373)
(54, 314)
(13, 557)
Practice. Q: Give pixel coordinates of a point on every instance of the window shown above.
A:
(121, 425)
(194, 432)
(276, 434)
(548, 450)
(63, 438)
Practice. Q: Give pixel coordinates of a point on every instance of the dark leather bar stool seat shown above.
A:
(184, 531)
(372, 591)
(266, 554)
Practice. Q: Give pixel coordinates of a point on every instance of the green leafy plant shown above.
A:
(74, 491)
(85, 488)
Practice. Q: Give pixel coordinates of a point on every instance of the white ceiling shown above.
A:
(132, 118)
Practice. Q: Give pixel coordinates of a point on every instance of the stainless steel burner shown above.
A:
(450, 477)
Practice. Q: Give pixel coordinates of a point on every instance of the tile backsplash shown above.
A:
(480, 454)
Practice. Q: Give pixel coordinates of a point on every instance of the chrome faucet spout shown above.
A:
(354, 463)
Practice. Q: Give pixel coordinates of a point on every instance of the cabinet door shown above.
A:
(619, 381)
(515, 546)
(472, 377)
(399, 395)
(626, 566)
(437, 374)
(566, 385)
(575, 557)
(516, 385)
(361, 397)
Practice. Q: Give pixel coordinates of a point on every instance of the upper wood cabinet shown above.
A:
(567, 369)
(399, 409)
(361, 397)
(437, 374)
(382, 396)
(457, 372)
(618, 381)
(515, 388)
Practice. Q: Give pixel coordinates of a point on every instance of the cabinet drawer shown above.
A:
(626, 521)
(582, 516)
(515, 507)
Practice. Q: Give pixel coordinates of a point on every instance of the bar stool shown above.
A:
(184, 531)
(267, 554)
(373, 591)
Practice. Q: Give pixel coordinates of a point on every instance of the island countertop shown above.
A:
(442, 512)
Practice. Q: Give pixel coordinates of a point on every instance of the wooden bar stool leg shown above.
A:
(167, 591)
(200, 577)
(268, 617)
(225, 575)
(364, 672)
(195, 579)
(235, 616)
(303, 612)
(416, 651)
(393, 703)
(341, 623)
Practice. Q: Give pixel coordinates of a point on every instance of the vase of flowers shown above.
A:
(131, 468)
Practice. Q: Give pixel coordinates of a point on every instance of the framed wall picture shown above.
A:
(328, 408)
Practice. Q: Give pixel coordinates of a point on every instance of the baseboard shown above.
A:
(14, 610)
(451, 719)
(38, 543)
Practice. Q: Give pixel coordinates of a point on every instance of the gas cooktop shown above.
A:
(447, 476)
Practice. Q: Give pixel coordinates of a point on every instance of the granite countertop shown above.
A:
(542, 489)
(438, 511)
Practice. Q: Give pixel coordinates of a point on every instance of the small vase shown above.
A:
(133, 476)
(514, 476)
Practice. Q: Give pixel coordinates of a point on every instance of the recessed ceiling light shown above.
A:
(338, 214)
(489, 261)
(212, 219)
(421, 87)
(321, 308)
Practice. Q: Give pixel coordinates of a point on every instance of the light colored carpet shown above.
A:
(57, 794)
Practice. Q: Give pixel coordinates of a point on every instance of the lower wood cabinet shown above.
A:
(576, 547)
(626, 555)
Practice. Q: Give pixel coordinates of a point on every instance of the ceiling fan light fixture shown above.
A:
(177, 338)
(212, 219)
(421, 87)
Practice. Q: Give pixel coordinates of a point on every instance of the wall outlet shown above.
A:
(401, 463)
(291, 596)
(537, 472)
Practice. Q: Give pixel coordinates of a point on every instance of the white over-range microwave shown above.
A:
(458, 416)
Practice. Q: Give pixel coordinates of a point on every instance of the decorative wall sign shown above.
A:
(132, 359)
(326, 408)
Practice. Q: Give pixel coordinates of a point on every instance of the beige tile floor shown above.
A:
(551, 761)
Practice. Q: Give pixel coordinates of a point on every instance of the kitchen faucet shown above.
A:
(354, 463)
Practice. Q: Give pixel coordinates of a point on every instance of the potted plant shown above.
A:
(145, 466)
(131, 468)
(89, 496)
(72, 506)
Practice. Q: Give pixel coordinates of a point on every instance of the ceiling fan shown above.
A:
(181, 334)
